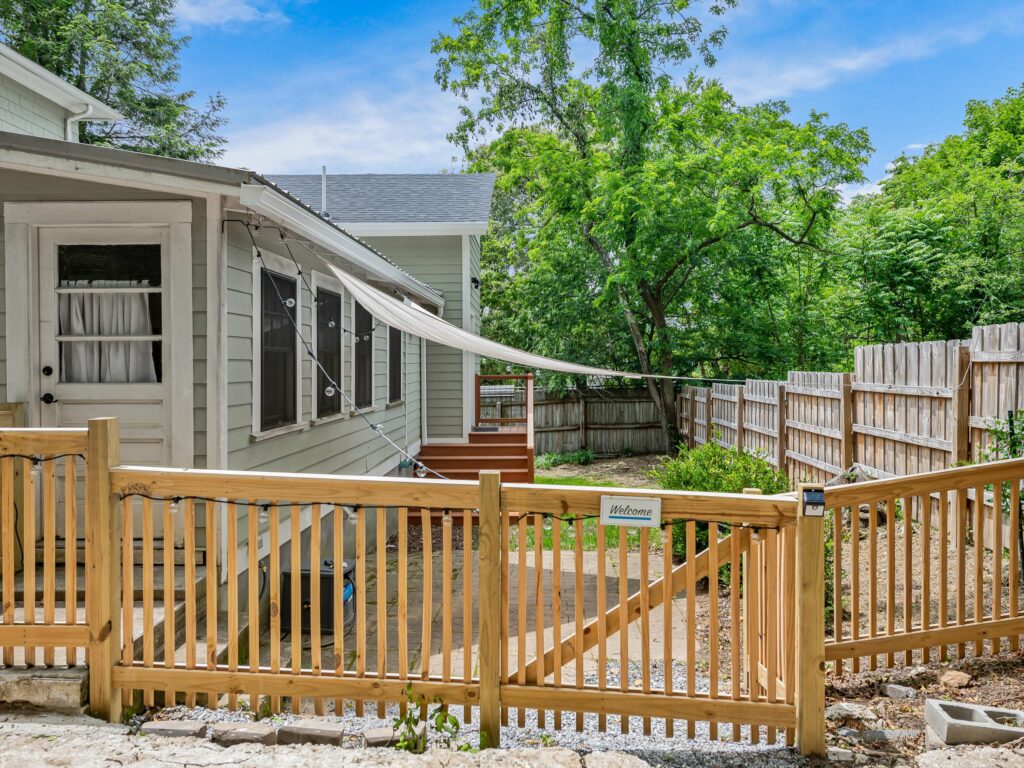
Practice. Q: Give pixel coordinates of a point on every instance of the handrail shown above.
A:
(526, 419)
(957, 478)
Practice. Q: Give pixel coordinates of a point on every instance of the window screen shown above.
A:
(328, 352)
(394, 365)
(363, 357)
(279, 352)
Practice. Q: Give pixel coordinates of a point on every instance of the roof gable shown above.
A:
(52, 88)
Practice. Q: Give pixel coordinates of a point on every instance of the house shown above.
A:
(164, 292)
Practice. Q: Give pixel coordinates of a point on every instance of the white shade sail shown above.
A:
(417, 321)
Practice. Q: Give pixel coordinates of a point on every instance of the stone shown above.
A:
(932, 740)
(614, 760)
(894, 691)
(174, 728)
(545, 757)
(953, 678)
(959, 723)
(311, 732)
(230, 734)
(834, 755)
(849, 711)
(886, 736)
(980, 757)
(55, 690)
(389, 737)
(849, 733)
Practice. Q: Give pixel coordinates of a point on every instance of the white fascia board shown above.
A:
(268, 202)
(40, 80)
(105, 173)
(414, 228)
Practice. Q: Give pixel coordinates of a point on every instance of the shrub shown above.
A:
(710, 467)
(581, 457)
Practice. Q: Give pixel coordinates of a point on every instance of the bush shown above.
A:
(581, 457)
(710, 467)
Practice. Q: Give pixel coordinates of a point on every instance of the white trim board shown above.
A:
(414, 228)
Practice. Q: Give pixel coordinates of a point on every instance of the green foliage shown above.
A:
(582, 457)
(1006, 438)
(125, 53)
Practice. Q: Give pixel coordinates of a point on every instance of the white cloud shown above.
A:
(755, 79)
(850, 191)
(915, 147)
(221, 12)
(390, 131)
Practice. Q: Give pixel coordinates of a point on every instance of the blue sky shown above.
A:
(350, 84)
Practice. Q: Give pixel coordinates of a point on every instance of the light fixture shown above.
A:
(475, 282)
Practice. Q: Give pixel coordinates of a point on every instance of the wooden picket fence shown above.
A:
(905, 409)
(571, 633)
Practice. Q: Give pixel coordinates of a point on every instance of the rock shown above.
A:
(389, 737)
(978, 757)
(954, 678)
(834, 755)
(894, 691)
(932, 740)
(230, 734)
(174, 728)
(311, 732)
(52, 689)
(546, 757)
(849, 733)
(886, 736)
(614, 760)
(849, 711)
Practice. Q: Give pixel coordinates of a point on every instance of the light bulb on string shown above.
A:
(548, 524)
(421, 470)
(350, 513)
(331, 324)
(289, 303)
(329, 392)
(175, 505)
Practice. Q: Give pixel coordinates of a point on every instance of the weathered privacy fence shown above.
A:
(906, 408)
(610, 422)
(533, 610)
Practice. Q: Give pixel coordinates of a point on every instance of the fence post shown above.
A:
(709, 414)
(740, 415)
(476, 398)
(691, 411)
(810, 629)
(961, 407)
(846, 420)
(103, 553)
(780, 429)
(583, 421)
(490, 608)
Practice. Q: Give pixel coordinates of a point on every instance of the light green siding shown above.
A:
(436, 261)
(24, 111)
(344, 445)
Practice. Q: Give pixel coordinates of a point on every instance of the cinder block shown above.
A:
(311, 732)
(230, 734)
(957, 723)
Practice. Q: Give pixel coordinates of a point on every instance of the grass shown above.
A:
(590, 527)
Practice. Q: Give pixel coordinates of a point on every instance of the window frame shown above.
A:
(372, 405)
(320, 281)
(285, 268)
(392, 400)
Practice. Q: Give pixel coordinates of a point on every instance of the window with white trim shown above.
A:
(362, 357)
(279, 350)
(328, 352)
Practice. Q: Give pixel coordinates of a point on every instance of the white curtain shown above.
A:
(106, 314)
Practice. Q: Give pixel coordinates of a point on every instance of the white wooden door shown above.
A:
(104, 306)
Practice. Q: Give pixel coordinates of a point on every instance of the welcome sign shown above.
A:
(631, 511)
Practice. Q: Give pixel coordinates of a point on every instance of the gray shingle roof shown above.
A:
(397, 198)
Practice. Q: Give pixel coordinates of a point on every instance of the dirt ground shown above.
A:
(627, 471)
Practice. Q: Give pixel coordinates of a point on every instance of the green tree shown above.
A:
(634, 186)
(125, 53)
(940, 248)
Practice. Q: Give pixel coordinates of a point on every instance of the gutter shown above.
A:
(71, 123)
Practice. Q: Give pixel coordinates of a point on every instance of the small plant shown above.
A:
(410, 728)
(582, 457)
(547, 740)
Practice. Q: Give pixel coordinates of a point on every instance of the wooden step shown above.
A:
(518, 438)
(478, 449)
(507, 476)
(441, 463)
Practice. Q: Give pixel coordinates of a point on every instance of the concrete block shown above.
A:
(388, 737)
(57, 690)
(175, 728)
(230, 734)
(894, 691)
(956, 723)
(311, 732)
(932, 740)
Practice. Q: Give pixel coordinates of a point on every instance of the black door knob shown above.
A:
(47, 370)
(48, 398)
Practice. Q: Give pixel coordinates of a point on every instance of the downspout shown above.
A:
(71, 123)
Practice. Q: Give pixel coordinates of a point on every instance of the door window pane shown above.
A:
(394, 365)
(279, 351)
(363, 357)
(109, 313)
